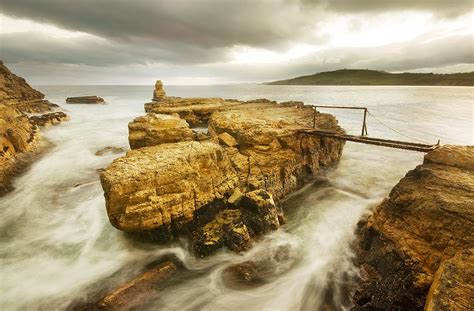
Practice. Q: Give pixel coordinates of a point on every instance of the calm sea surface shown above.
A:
(56, 243)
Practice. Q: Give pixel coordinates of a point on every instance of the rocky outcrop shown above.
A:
(49, 119)
(19, 134)
(219, 189)
(154, 129)
(85, 100)
(164, 185)
(159, 92)
(416, 238)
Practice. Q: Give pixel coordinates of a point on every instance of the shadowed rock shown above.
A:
(427, 220)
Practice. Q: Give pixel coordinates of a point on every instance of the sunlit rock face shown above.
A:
(416, 235)
(222, 191)
(155, 186)
(19, 133)
(154, 129)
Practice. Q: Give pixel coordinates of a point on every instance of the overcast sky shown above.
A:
(223, 41)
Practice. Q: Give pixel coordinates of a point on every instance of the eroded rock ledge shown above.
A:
(221, 188)
(421, 240)
(19, 133)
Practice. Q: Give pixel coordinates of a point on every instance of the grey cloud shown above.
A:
(205, 23)
(445, 8)
(94, 51)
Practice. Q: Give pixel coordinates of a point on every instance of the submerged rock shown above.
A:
(427, 220)
(154, 129)
(85, 100)
(109, 150)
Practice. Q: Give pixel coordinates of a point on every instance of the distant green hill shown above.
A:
(373, 77)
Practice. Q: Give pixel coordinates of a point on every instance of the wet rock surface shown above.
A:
(413, 240)
(136, 291)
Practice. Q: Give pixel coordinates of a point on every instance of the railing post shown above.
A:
(364, 126)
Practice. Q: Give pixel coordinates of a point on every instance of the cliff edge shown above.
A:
(417, 249)
(22, 110)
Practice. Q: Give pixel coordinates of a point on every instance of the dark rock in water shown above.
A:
(48, 119)
(419, 239)
(246, 274)
(109, 150)
(259, 212)
(268, 265)
(136, 291)
(225, 229)
(85, 100)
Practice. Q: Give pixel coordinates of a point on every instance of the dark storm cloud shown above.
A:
(204, 23)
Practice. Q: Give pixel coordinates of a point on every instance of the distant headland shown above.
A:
(374, 77)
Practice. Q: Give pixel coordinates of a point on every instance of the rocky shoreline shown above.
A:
(23, 110)
(221, 188)
(417, 249)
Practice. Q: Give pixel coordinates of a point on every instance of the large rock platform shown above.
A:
(176, 182)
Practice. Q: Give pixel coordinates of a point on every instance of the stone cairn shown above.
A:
(159, 92)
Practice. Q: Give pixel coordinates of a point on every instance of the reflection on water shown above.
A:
(56, 242)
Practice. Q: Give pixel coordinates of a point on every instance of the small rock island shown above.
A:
(220, 188)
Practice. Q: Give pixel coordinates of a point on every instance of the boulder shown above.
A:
(165, 184)
(225, 229)
(227, 140)
(85, 100)
(427, 220)
(154, 129)
(259, 212)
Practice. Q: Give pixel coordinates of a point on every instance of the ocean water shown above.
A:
(56, 244)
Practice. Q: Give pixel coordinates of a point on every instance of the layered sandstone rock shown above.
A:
(159, 93)
(154, 129)
(165, 184)
(223, 190)
(17, 136)
(19, 133)
(414, 236)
